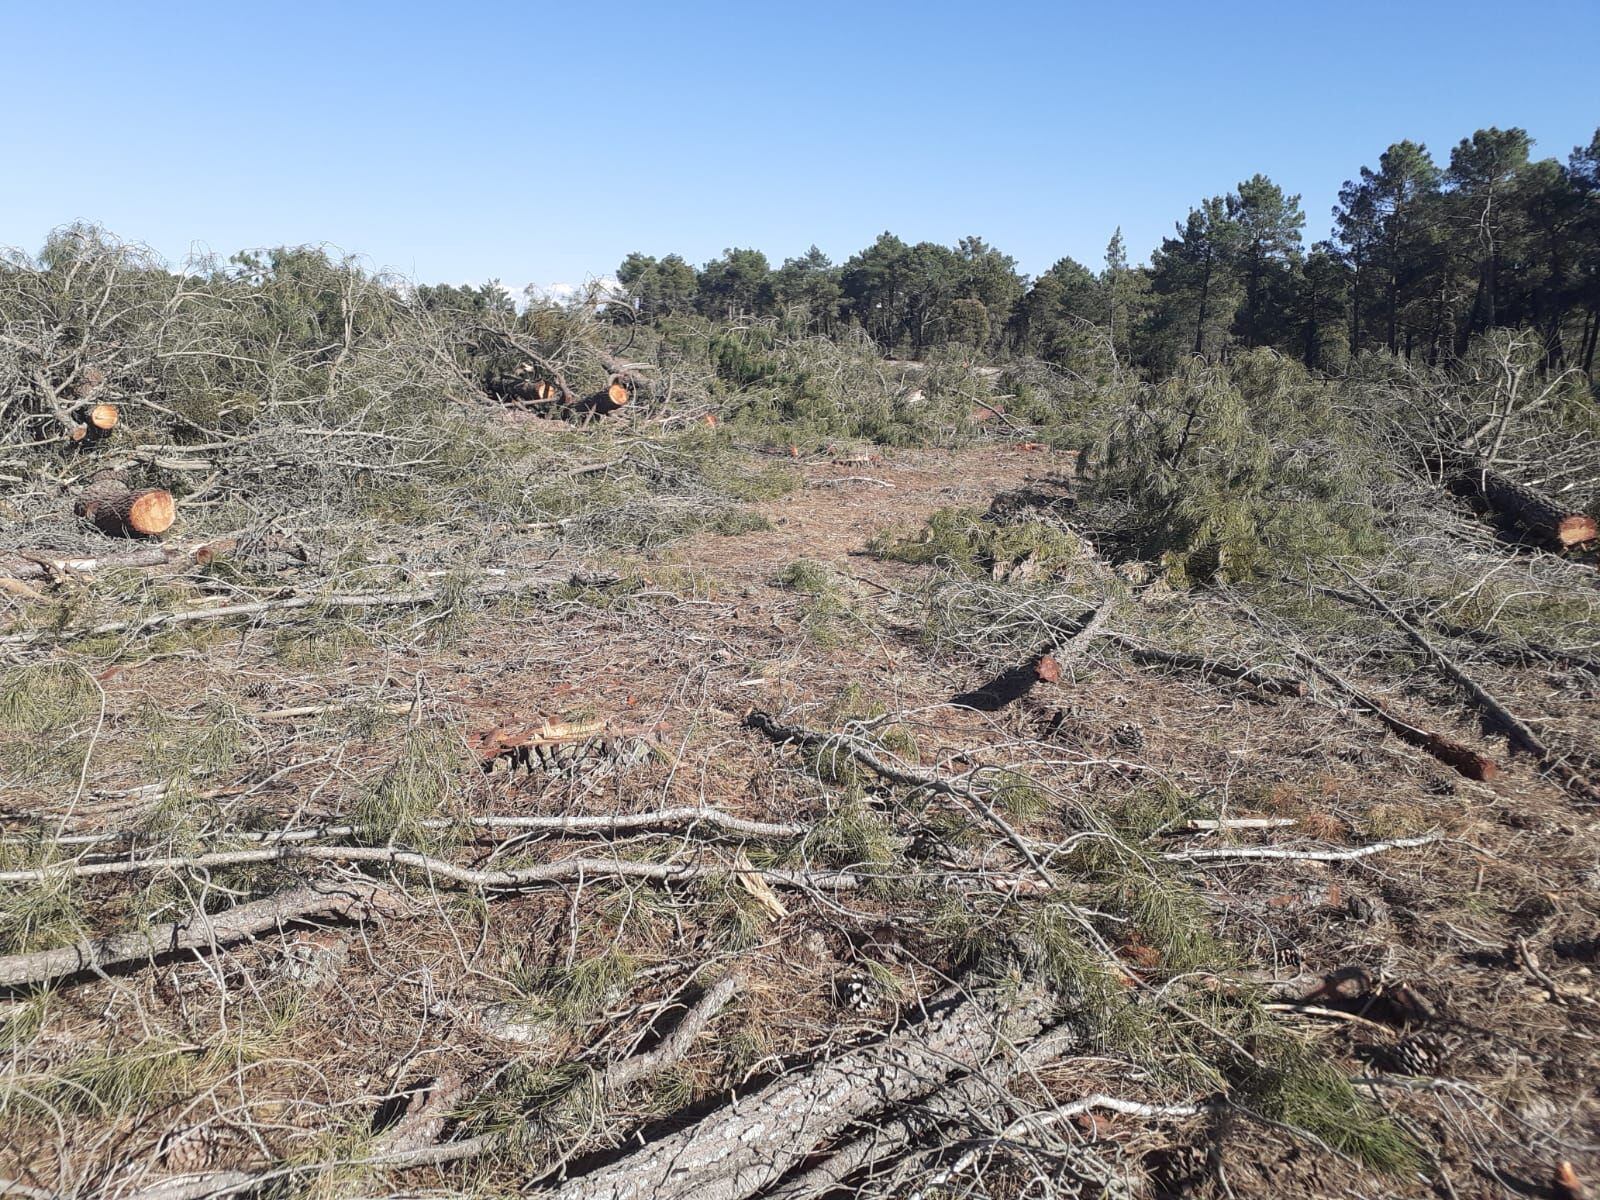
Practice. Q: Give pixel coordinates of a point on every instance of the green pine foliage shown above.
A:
(1236, 470)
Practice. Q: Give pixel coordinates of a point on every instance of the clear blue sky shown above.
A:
(542, 142)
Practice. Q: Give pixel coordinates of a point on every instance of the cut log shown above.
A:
(93, 423)
(1532, 510)
(748, 1146)
(142, 512)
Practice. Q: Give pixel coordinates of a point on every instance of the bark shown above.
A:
(753, 1143)
(974, 1098)
(1540, 515)
(142, 512)
(355, 900)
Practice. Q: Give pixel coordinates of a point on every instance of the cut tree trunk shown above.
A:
(615, 395)
(746, 1147)
(142, 512)
(102, 417)
(1532, 510)
(94, 423)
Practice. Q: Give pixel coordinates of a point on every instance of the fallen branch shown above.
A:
(438, 868)
(1206, 825)
(1463, 759)
(41, 564)
(1228, 853)
(613, 823)
(1498, 646)
(1515, 729)
(841, 743)
(350, 899)
(1206, 667)
(1128, 1108)
(348, 600)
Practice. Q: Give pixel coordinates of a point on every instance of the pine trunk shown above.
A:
(142, 512)
(1532, 510)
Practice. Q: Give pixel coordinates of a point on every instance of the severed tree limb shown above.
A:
(751, 1144)
(689, 816)
(1230, 853)
(352, 899)
(348, 600)
(1463, 759)
(841, 743)
(1078, 641)
(1515, 729)
(44, 564)
(1497, 646)
(437, 868)
(1212, 825)
(1131, 1108)
(1206, 667)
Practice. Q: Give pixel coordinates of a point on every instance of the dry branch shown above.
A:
(1227, 853)
(43, 564)
(843, 744)
(689, 816)
(1515, 729)
(348, 600)
(1206, 667)
(519, 879)
(1463, 759)
(351, 899)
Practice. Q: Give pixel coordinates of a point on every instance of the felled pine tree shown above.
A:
(1233, 470)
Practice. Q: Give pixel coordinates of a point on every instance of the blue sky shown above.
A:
(542, 142)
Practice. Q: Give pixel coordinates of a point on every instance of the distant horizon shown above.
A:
(537, 144)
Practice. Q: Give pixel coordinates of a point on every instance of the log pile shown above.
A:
(540, 388)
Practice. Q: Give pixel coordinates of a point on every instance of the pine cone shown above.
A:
(853, 992)
(1129, 735)
(1418, 1054)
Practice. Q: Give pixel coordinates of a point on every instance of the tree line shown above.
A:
(1422, 257)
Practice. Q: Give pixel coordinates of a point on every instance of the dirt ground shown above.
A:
(1455, 976)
